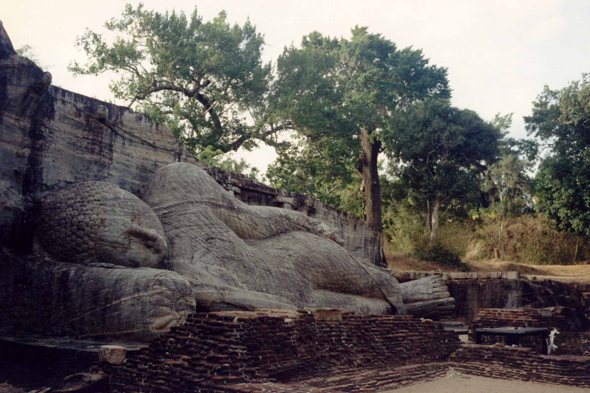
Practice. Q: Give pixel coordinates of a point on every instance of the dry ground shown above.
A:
(563, 272)
(458, 383)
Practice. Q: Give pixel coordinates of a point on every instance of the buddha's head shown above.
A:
(99, 222)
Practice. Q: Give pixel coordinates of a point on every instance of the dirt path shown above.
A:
(580, 273)
(459, 383)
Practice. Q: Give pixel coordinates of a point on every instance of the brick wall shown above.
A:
(553, 317)
(215, 350)
(584, 288)
(573, 343)
(472, 295)
(522, 364)
(568, 342)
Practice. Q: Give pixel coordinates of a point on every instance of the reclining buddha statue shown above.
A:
(127, 267)
(132, 254)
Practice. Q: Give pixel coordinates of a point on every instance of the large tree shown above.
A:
(205, 80)
(561, 119)
(319, 170)
(344, 93)
(506, 185)
(439, 151)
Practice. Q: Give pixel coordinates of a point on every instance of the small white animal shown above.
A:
(551, 341)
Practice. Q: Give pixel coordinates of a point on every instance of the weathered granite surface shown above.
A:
(38, 298)
(94, 222)
(51, 138)
(83, 256)
(428, 297)
(359, 240)
(218, 240)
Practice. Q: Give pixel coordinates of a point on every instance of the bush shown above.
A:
(526, 239)
(405, 232)
(403, 229)
(440, 254)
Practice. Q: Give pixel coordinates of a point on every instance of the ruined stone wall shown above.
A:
(573, 343)
(568, 341)
(221, 349)
(473, 294)
(51, 138)
(554, 317)
(550, 318)
(522, 364)
(508, 290)
(584, 289)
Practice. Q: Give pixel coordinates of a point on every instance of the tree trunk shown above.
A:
(433, 219)
(371, 182)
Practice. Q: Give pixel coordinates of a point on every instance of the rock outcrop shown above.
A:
(473, 294)
(51, 138)
(83, 256)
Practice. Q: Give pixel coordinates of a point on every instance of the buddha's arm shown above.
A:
(262, 222)
(178, 186)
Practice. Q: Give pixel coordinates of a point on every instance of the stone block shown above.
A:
(112, 354)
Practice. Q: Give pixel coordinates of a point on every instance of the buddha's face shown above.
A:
(99, 222)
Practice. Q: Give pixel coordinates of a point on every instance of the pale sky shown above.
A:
(499, 54)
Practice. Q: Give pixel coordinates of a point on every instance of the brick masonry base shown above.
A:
(280, 351)
(522, 364)
(301, 351)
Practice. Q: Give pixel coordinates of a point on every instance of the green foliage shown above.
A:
(404, 229)
(525, 239)
(335, 87)
(316, 170)
(221, 160)
(205, 80)
(563, 188)
(507, 187)
(333, 90)
(439, 152)
(561, 119)
(436, 252)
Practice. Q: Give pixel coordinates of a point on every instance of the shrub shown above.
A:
(438, 253)
(527, 239)
(404, 229)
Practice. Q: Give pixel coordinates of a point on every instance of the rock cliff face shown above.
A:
(51, 138)
(82, 255)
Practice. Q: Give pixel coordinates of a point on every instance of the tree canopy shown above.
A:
(318, 170)
(205, 80)
(439, 152)
(344, 93)
(561, 119)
